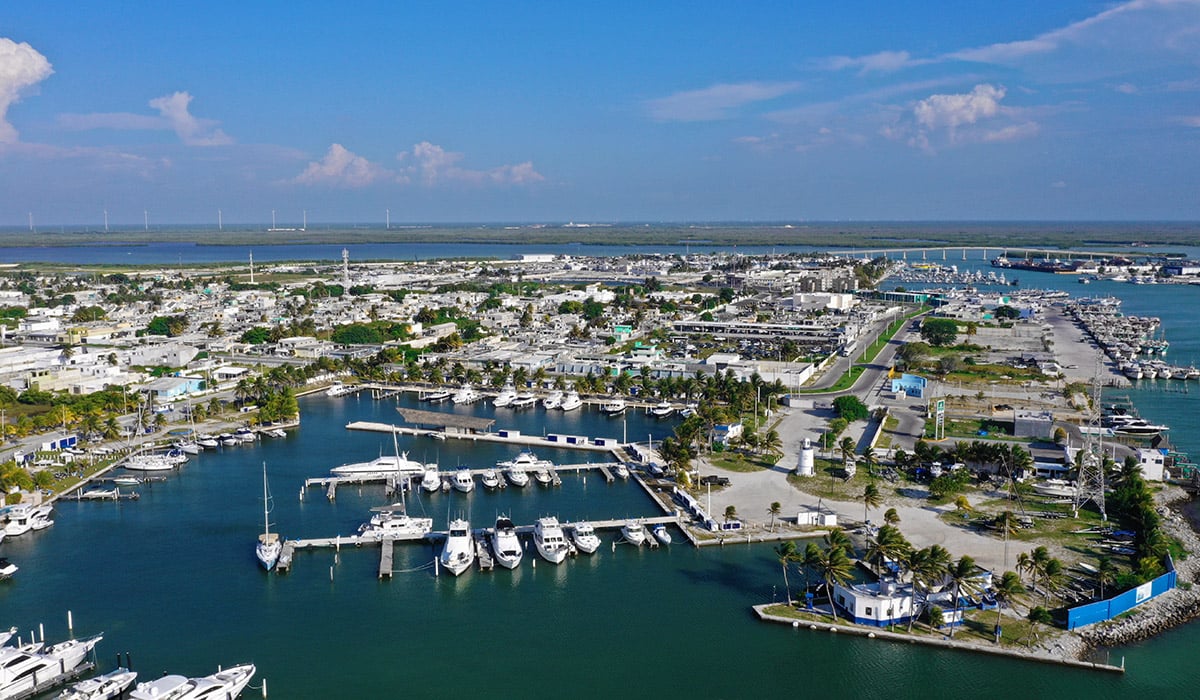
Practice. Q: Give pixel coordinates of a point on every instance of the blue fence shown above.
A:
(1107, 609)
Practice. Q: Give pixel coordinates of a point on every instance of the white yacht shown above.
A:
(338, 389)
(552, 401)
(490, 479)
(148, 463)
(634, 532)
(228, 440)
(40, 519)
(466, 394)
(382, 467)
(525, 460)
(525, 399)
(7, 569)
(20, 520)
(109, 685)
(190, 447)
(438, 396)
(621, 470)
(22, 669)
(662, 410)
(571, 402)
(223, 685)
(550, 541)
(505, 544)
(459, 551)
(517, 476)
(393, 522)
(245, 434)
(584, 537)
(1055, 488)
(662, 534)
(506, 396)
(431, 481)
(268, 548)
(208, 442)
(542, 476)
(463, 481)
(614, 407)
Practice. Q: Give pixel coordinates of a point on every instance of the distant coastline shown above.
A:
(831, 235)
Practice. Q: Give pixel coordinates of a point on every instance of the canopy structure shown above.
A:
(448, 421)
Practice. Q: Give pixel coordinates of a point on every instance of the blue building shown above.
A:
(910, 385)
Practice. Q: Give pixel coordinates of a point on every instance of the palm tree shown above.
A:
(786, 552)
(834, 567)
(928, 567)
(869, 460)
(888, 544)
(1025, 564)
(774, 512)
(891, 517)
(936, 620)
(871, 498)
(962, 576)
(1007, 524)
(809, 562)
(846, 446)
(837, 537)
(771, 442)
(1038, 616)
(730, 513)
(1106, 573)
(1007, 590)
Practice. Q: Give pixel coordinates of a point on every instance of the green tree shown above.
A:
(1038, 616)
(1007, 590)
(850, 408)
(936, 619)
(834, 568)
(963, 578)
(786, 554)
(939, 332)
(871, 498)
(730, 513)
(891, 516)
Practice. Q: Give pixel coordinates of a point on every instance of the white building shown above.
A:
(879, 604)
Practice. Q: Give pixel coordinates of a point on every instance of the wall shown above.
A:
(1107, 609)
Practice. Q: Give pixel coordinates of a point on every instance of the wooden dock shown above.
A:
(608, 477)
(385, 558)
(523, 440)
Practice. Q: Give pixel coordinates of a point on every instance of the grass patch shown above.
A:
(739, 462)
(829, 482)
(844, 382)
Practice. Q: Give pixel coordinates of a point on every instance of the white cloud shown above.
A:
(121, 121)
(953, 111)
(341, 168)
(21, 67)
(882, 62)
(1127, 89)
(1013, 132)
(433, 165)
(1058, 184)
(715, 102)
(190, 129)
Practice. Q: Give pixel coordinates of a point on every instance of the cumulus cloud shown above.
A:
(952, 111)
(432, 165)
(21, 67)
(190, 129)
(715, 102)
(341, 168)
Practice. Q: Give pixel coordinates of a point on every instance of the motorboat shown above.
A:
(175, 457)
(228, 440)
(338, 389)
(525, 460)
(662, 410)
(542, 476)
(208, 442)
(223, 685)
(634, 532)
(506, 396)
(584, 537)
(127, 481)
(466, 394)
(245, 434)
(490, 479)
(614, 407)
(431, 481)
(553, 401)
(463, 481)
(393, 522)
(148, 463)
(20, 520)
(525, 399)
(190, 447)
(438, 396)
(22, 669)
(517, 476)
(505, 544)
(7, 569)
(1138, 428)
(662, 534)
(571, 401)
(109, 685)
(549, 539)
(269, 546)
(383, 467)
(40, 519)
(1056, 488)
(275, 433)
(620, 470)
(688, 410)
(459, 551)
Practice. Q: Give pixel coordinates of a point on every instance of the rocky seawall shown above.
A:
(1173, 608)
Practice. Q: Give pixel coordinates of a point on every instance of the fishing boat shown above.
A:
(127, 481)
(190, 447)
(490, 479)
(571, 401)
(542, 476)
(338, 389)
(20, 520)
(633, 532)
(584, 537)
(463, 481)
(208, 442)
(394, 522)
(614, 407)
(268, 548)
(431, 481)
(662, 534)
(228, 440)
(438, 396)
(525, 460)
(222, 685)
(525, 399)
(506, 396)
(505, 544)
(459, 551)
(517, 476)
(553, 401)
(1056, 488)
(466, 394)
(245, 434)
(109, 685)
(621, 470)
(549, 539)
(662, 410)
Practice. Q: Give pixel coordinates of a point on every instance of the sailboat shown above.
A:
(269, 546)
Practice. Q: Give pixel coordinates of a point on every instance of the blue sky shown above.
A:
(664, 111)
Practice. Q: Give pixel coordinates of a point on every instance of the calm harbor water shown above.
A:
(172, 579)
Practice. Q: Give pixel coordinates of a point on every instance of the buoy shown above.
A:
(833, 629)
(812, 627)
(331, 574)
(870, 635)
(795, 624)
(264, 687)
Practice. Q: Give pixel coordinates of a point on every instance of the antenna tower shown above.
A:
(1089, 486)
(345, 268)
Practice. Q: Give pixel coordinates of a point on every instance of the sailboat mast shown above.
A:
(266, 511)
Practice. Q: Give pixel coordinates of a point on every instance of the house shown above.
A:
(880, 604)
(727, 433)
(1153, 464)
(909, 385)
(817, 517)
(1038, 424)
(167, 388)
